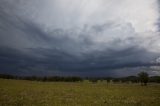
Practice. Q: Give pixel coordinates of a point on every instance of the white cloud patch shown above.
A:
(142, 14)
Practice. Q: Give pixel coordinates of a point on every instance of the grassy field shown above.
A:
(30, 93)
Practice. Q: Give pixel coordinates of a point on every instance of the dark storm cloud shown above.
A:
(58, 63)
(29, 48)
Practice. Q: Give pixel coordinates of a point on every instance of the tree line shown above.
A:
(140, 78)
(44, 79)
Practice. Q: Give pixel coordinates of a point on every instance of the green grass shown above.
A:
(30, 93)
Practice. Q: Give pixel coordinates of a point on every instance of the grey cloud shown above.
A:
(57, 62)
(158, 23)
(29, 48)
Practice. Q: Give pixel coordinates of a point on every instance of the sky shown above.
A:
(79, 37)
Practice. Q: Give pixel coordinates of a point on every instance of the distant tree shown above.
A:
(143, 78)
(155, 79)
(93, 80)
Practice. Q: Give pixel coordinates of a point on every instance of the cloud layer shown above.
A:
(79, 37)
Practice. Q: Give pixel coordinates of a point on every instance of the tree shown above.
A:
(143, 78)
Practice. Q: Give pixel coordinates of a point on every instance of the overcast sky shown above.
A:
(79, 37)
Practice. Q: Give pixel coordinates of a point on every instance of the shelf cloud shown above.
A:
(79, 37)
